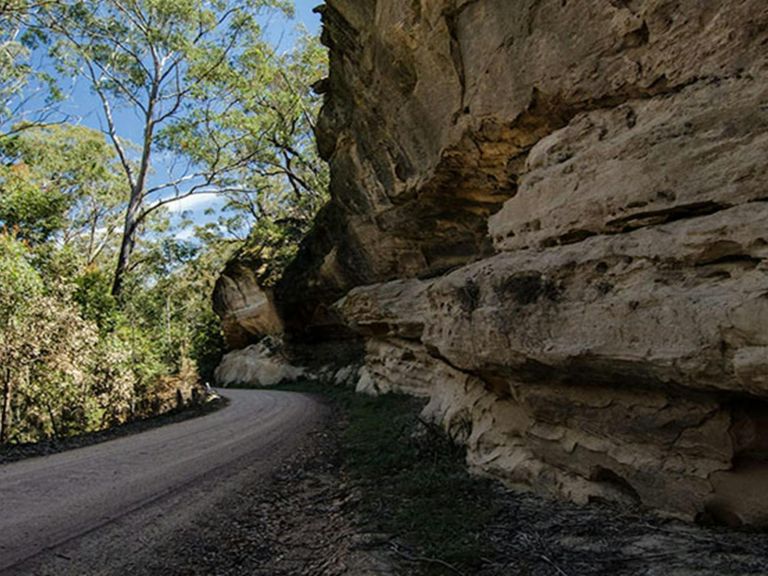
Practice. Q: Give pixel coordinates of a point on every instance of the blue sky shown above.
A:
(281, 28)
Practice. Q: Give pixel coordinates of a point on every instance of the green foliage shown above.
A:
(70, 360)
(96, 364)
(53, 387)
(19, 77)
(174, 299)
(49, 356)
(284, 182)
(187, 69)
(145, 360)
(96, 302)
(19, 282)
(27, 209)
(207, 346)
(60, 181)
(14, 69)
(75, 159)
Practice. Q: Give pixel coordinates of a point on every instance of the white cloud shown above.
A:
(195, 202)
(185, 234)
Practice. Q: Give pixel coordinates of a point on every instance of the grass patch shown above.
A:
(413, 479)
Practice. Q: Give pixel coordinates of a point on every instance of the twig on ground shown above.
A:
(555, 566)
(426, 560)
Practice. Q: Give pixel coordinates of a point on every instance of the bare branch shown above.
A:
(112, 129)
(197, 190)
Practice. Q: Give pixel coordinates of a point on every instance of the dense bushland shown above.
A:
(105, 284)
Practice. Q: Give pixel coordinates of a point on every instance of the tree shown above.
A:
(27, 209)
(174, 64)
(285, 180)
(285, 169)
(62, 181)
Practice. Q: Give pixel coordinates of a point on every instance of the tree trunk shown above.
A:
(5, 412)
(128, 242)
(134, 213)
(123, 261)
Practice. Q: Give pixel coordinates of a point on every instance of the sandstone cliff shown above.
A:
(551, 219)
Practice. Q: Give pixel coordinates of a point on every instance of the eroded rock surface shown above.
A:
(245, 304)
(551, 218)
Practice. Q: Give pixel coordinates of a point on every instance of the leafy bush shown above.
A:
(97, 304)
(70, 362)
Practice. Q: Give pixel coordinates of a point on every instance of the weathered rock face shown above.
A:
(622, 365)
(551, 218)
(244, 304)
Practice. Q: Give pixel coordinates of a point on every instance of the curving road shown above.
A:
(71, 512)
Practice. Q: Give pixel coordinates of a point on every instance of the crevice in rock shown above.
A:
(658, 218)
(456, 56)
(632, 5)
(749, 430)
(476, 176)
(572, 237)
(607, 476)
(664, 216)
(743, 260)
(636, 38)
(739, 493)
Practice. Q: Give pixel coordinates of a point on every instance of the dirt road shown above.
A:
(76, 512)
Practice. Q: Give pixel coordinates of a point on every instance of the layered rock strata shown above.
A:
(551, 219)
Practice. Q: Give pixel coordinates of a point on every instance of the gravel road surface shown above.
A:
(86, 510)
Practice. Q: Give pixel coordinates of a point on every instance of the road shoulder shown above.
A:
(17, 452)
(301, 521)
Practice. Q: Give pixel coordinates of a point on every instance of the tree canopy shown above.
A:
(200, 80)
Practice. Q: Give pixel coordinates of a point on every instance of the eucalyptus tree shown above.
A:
(280, 121)
(167, 74)
(286, 182)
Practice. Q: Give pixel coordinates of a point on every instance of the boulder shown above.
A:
(262, 364)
